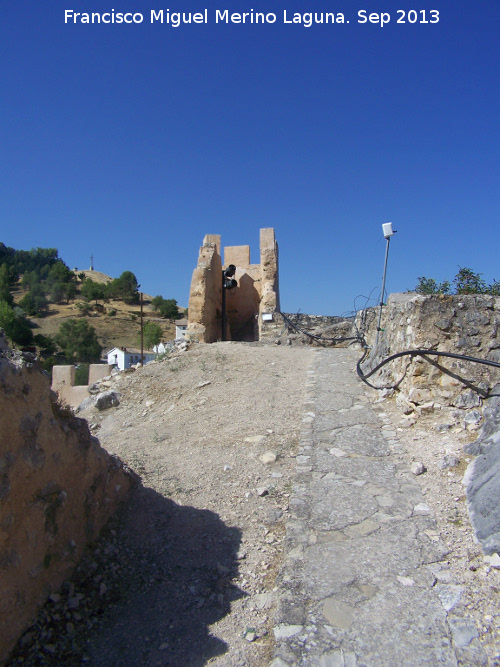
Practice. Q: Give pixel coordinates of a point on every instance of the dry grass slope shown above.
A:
(119, 330)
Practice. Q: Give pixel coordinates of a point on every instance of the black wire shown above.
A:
(416, 353)
(412, 353)
(368, 299)
(314, 336)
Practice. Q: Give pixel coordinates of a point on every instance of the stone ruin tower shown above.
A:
(252, 308)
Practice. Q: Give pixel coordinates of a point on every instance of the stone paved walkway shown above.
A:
(358, 587)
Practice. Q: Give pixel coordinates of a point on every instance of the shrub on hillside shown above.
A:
(78, 340)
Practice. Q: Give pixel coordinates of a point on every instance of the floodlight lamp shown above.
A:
(230, 271)
(387, 230)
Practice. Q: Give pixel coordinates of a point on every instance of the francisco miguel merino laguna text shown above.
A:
(175, 19)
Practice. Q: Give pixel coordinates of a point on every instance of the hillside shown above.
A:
(121, 329)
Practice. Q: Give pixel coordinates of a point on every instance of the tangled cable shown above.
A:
(414, 353)
(359, 337)
(314, 336)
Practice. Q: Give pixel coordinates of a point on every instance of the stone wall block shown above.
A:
(465, 324)
(48, 463)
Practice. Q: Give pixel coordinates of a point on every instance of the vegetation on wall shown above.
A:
(466, 281)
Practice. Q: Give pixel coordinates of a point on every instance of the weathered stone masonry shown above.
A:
(252, 307)
(462, 392)
(466, 324)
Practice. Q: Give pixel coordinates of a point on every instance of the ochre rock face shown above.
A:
(58, 488)
(206, 293)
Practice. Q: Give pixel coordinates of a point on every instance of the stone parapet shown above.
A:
(468, 325)
(63, 382)
(98, 372)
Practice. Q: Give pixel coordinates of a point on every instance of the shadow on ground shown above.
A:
(178, 563)
(149, 590)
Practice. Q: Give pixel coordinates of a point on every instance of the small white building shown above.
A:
(122, 357)
(180, 329)
(163, 348)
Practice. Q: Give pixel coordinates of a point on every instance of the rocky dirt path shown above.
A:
(370, 576)
(185, 575)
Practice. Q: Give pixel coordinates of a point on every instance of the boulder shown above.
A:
(107, 399)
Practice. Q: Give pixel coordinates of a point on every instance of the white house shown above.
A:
(163, 348)
(123, 357)
(180, 329)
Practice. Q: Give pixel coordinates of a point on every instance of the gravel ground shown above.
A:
(437, 441)
(185, 573)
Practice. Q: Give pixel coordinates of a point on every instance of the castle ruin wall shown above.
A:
(58, 488)
(257, 292)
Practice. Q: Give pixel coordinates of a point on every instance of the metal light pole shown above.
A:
(142, 335)
(228, 282)
(388, 232)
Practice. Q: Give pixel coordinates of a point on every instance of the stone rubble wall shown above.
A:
(273, 330)
(58, 488)
(319, 330)
(454, 391)
(461, 324)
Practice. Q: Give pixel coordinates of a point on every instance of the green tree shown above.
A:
(468, 281)
(82, 374)
(34, 302)
(20, 331)
(45, 344)
(430, 286)
(167, 308)
(7, 255)
(30, 279)
(57, 293)
(5, 294)
(16, 327)
(7, 274)
(84, 307)
(78, 340)
(6, 314)
(152, 333)
(494, 288)
(93, 291)
(69, 291)
(60, 273)
(125, 288)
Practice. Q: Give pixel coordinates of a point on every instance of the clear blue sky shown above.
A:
(131, 142)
